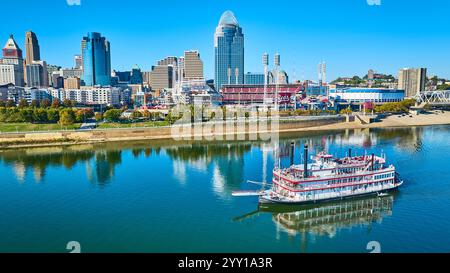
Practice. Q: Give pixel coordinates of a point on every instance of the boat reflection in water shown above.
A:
(328, 218)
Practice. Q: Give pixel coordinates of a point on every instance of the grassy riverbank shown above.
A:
(157, 130)
(145, 124)
(31, 127)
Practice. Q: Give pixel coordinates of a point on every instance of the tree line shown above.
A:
(43, 112)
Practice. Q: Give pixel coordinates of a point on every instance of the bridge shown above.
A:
(433, 98)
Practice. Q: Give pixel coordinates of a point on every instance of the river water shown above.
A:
(164, 196)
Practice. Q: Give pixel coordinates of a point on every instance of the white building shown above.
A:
(110, 96)
(195, 91)
(361, 95)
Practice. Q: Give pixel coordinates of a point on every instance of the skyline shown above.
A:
(343, 35)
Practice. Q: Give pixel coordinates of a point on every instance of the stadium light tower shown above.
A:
(277, 75)
(265, 60)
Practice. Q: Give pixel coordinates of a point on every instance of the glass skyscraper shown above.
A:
(229, 51)
(96, 60)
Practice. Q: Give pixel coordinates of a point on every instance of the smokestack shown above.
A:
(349, 153)
(292, 153)
(373, 162)
(305, 168)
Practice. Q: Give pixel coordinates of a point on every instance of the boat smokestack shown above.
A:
(292, 153)
(305, 167)
(373, 162)
(350, 153)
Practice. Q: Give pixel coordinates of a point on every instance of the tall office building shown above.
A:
(254, 78)
(161, 77)
(170, 60)
(412, 80)
(136, 75)
(78, 61)
(37, 75)
(96, 54)
(229, 51)
(72, 83)
(12, 66)
(33, 52)
(193, 65)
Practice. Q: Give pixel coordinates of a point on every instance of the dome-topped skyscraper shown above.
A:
(228, 19)
(229, 51)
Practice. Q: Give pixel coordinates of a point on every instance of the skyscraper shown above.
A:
(412, 80)
(136, 75)
(37, 74)
(78, 61)
(229, 51)
(96, 55)
(193, 65)
(33, 52)
(11, 66)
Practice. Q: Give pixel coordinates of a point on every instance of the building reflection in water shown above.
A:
(101, 170)
(99, 164)
(224, 161)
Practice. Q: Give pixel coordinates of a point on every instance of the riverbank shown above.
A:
(64, 138)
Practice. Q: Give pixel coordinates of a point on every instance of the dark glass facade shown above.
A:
(96, 60)
(229, 51)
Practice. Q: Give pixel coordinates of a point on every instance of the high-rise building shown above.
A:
(72, 83)
(33, 52)
(71, 72)
(37, 74)
(12, 66)
(96, 54)
(136, 75)
(229, 51)
(78, 61)
(50, 69)
(412, 80)
(254, 78)
(170, 60)
(193, 65)
(161, 77)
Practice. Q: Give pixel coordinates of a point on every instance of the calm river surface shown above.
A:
(176, 197)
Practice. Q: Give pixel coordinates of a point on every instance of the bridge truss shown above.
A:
(433, 97)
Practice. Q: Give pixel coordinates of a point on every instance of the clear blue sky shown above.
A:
(350, 35)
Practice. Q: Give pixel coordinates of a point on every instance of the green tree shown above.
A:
(34, 104)
(346, 111)
(147, 114)
(56, 103)
(113, 115)
(45, 103)
(23, 103)
(2, 103)
(83, 114)
(136, 115)
(67, 103)
(67, 117)
(98, 116)
(25, 115)
(10, 103)
(40, 115)
(52, 115)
